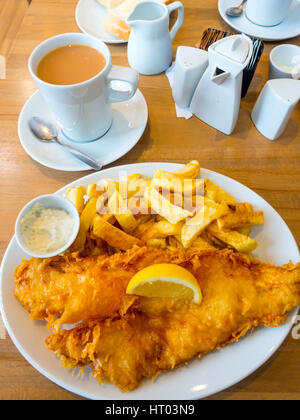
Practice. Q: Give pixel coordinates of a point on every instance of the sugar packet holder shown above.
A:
(210, 36)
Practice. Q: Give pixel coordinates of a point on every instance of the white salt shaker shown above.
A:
(275, 106)
(190, 66)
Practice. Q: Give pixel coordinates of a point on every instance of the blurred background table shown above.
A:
(272, 169)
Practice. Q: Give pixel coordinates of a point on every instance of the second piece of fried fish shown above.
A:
(160, 334)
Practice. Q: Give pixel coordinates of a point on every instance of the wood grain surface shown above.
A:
(11, 15)
(272, 169)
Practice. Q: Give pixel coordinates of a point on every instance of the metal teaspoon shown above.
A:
(47, 132)
(235, 11)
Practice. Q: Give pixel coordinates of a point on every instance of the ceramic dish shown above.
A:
(214, 372)
(289, 28)
(53, 202)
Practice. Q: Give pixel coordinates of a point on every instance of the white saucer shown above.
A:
(130, 120)
(289, 28)
(89, 16)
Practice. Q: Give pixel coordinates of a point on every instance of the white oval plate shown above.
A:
(289, 28)
(129, 122)
(89, 16)
(216, 371)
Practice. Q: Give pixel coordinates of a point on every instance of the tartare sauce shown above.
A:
(46, 230)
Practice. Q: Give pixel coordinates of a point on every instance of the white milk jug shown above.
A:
(150, 44)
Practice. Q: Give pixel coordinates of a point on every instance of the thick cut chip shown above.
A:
(173, 183)
(137, 187)
(102, 204)
(234, 239)
(246, 230)
(191, 170)
(119, 209)
(162, 229)
(113, 236)
(94, 190)
(215, 193)
(139, 206)
(205, 215)
(76, 196)
(188, 202)
(129, 185)
(86, 219)
(164, 208)
(241, 215)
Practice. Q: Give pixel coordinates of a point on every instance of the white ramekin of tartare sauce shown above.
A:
(47, 226)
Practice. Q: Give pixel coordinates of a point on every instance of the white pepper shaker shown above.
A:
(190, 66)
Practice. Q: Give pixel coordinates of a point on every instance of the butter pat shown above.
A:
(111, 4)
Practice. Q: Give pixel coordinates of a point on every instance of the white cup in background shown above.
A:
(285, 62)
(267, 12)
(84, 110)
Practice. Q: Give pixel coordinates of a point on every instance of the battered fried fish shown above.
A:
(66, 290)
(160, 334)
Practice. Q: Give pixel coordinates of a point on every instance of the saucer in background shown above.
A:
(289, 28)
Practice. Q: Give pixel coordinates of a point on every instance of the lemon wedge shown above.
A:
(165, 281)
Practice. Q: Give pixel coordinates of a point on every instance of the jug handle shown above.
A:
(174, 6)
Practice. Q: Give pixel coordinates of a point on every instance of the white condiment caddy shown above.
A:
(209, 86)
(217, 98)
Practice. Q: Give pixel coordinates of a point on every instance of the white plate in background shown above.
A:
(89, 16)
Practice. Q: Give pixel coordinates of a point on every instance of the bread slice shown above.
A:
(116, 22)
(111, 4)
(115, 30)
(120, 13)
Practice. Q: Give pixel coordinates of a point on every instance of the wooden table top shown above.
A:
(272, 169)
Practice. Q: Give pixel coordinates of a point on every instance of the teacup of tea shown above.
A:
(267, 12)
(74, 74)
